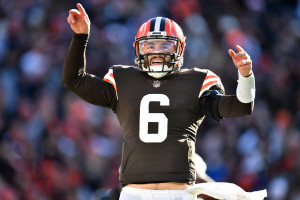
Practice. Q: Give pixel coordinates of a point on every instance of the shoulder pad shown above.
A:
(211, 82)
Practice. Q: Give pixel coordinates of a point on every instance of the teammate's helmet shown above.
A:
(159, 47)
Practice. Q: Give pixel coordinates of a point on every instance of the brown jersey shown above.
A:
(159, 118)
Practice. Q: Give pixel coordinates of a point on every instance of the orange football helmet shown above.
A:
(159, 47)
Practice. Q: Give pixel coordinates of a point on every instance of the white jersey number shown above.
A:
(160, 118)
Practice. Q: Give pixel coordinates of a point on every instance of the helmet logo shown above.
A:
(156, 83)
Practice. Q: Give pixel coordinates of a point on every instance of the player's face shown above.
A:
(158, 46)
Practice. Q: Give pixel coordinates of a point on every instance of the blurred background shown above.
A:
(54, 146)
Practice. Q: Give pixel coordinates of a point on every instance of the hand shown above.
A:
(79, 20)
(241, 60)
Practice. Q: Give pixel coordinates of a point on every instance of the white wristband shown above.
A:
(245, 90)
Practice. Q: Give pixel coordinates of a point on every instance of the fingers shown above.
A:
(241, 58)
(231, 53)
(81, 9)
(71, 19)
(244, 62)
(72, 16)
(239, 48)
(241, 54)
(73, 13)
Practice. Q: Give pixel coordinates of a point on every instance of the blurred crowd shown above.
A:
(54, 146)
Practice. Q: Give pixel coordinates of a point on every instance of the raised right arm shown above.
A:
(74, 77)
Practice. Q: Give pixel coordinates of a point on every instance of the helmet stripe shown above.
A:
(152, 23)
(162, 24)
(157, 24)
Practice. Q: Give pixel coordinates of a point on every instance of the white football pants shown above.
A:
(129, 193)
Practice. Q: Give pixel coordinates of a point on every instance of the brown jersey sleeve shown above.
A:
(229, 107)
(87, 86)
(219, 106)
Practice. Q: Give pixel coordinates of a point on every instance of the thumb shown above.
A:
(231, 53)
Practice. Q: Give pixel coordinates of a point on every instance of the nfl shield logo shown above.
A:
(156, 84)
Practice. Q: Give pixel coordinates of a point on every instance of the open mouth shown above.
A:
(156, 61)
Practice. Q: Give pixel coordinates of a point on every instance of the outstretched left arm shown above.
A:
(218, 106)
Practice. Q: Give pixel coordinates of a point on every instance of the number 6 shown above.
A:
(160, 118)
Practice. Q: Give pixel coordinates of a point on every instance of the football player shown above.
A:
(159, 104)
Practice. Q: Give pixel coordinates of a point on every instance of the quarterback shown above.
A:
(161, 115)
